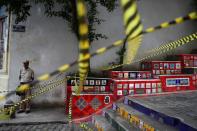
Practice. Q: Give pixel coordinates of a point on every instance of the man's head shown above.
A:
(26, 64)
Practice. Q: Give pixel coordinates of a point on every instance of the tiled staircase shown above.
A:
(123, 117)
(128, 115)
(164, 112)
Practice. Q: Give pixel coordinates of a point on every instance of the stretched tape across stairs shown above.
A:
(161, 50)
(65, 67)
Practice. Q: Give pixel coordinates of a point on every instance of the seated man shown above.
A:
(26, 76)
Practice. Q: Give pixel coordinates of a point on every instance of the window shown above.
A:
(3, 44)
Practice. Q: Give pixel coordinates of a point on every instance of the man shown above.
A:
(26, 76)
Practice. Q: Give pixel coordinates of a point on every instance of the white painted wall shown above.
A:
(4, 72)
(48, 43)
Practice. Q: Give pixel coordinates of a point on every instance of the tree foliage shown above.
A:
(65, 9)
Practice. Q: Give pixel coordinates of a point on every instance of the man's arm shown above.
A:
(20, 75)
(32, 75)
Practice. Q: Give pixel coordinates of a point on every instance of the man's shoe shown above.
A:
(20, 111)
(27, 111)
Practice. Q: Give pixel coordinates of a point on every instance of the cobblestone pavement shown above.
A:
(35, 127)
(42, 126)
(38, 127)
(40, 119)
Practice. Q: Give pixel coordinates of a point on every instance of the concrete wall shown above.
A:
(155, 12)
(48, 43)
(4, 73)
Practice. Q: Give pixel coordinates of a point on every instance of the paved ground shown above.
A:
(181, 105)
(43, 119)
(40, 115)
(35, 127)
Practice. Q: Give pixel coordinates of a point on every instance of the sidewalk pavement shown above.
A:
(40, 115)
(40, 119)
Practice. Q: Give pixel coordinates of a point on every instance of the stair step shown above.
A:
(89, 125)
(102, 124)
(117, 122)
(142, 120)
(175, 109)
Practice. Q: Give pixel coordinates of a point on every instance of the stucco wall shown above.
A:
(4, 73)
(48, 43)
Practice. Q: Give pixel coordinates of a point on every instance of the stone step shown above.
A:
(117, 122)
(85, 126)
(101, 123)
(140, 120)
(175, 109)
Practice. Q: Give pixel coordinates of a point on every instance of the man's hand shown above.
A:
(19, 77)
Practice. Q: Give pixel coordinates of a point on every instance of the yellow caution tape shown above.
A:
(162, 49)
(65, 67)
(133, 27)
(41, 91)
(83, 43)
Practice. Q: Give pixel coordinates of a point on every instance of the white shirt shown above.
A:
(26, 75)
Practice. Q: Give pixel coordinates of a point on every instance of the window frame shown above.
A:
(4, 39)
